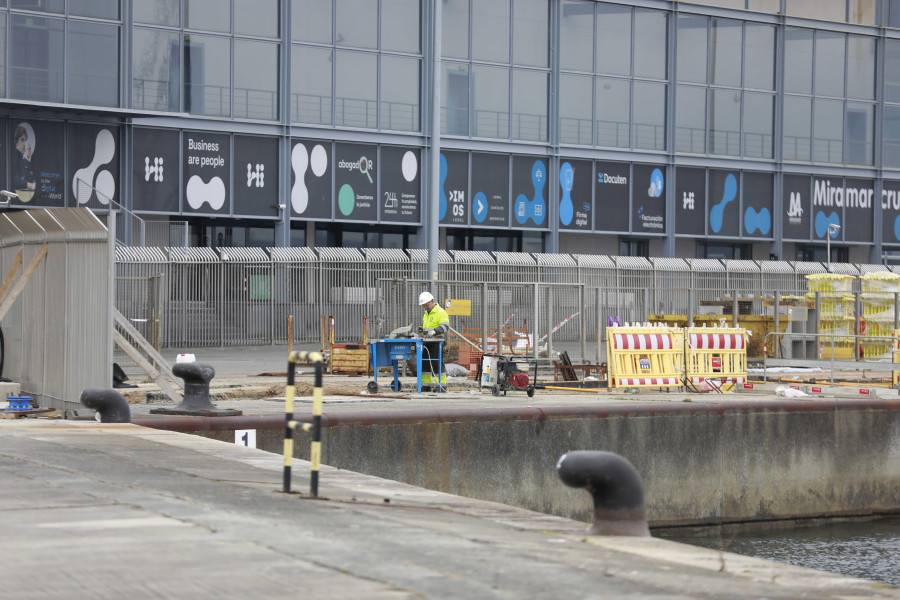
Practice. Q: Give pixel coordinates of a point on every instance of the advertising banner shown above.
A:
(154, 173)
(648, 211)
(724, 207)
(490, 186)
(206, 172)
(890, 212)
(758, 198)
(256, 176)
(796, 208)
(453, 207)
(575, 199)
(356, 181)
(401, 185)
(848, 203)
(612, 197)
(690, 201)
(311, 194)
(36, 158)
(529, 188)
(93, 163)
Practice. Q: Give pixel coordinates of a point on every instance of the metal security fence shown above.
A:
(191, 297)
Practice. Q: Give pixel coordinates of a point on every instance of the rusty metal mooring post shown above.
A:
(110, 404)
(196, 400)
(616, 488)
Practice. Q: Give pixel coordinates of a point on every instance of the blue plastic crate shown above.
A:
(19, 403)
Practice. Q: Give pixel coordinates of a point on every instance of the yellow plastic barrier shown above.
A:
(643, 356)
(717, 354)
(896, 374)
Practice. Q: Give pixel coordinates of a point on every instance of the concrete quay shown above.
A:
(99, 511)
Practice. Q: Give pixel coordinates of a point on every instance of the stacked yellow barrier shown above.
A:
(837, 314)
(643, 356)
(877, 319)
(717, 354)
(895, 375)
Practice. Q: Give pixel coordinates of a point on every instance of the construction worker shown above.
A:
(435, 323)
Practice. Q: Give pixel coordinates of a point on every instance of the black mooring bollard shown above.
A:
(614, 484)
(196, 385)
(110, 404)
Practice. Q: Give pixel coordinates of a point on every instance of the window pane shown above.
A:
(207, 75)
(491, 101)
(829, 75)
(311, 21)
(725, 122)
(400, 23)
(721, 3)
(529, 105)
(860, 67)
(576, 35)
(690, 119)
(490, 31)
(891, 154)
(859, 134)
(255, 80)
(650, 54)
(691, 54)
(649, 115)
(575, 93)
(798, 46)
(36, 58)
(531, 32)
(769, 6)
(92, 73)
(256, 17)
(828, 130)
(355, 89)
(100, 9)
(311, 85)
(156, 64)
(356, 23)
(400, 91)
(2, 55)
(455, 28)
(157, 12)
(613, 112)
(759, 57)
(797, 131)
(455, 99)
(892, 70)
(759, 115)
(613, 39)
(864, 12)
(725, 52)
(50, 6)
(206, 15)
(825, 10)
(894, 13)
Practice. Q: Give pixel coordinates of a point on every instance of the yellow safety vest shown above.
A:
(434, 319)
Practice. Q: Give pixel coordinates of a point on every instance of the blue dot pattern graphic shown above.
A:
(717, 213)
(479, 207)
(534, 209)
(823, 221)
(442, 205)
(761, 220)
(566, 180)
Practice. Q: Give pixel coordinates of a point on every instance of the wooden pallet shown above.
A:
(350, 359)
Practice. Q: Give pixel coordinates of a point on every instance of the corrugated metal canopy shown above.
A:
(705, 264)
(387, 255)
(243, 253)
(473, 257)
(844, 268)
(301, 254)
(669, 264)
(30, 229)
(555, 260)
(872, 268)
(419, 255)
(9, 233)
(775, 266)
(632, 262)
(808, 268)
(741, 266)
(522, 259)
(340, 254)
(81, 220)
(594, 261)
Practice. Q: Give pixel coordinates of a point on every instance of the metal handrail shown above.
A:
(877, 365)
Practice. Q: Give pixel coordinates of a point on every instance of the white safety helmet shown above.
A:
(425, 298)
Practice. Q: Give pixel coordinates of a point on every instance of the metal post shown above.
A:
(690, 308)
(777, 307)
(550, 322)
(484, 317)
(535, 324)
(584, 313)
(818, 324)
(111, 291)
(433, 212)
(599, 326)
(734, 309)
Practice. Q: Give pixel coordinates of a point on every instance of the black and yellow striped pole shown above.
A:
(315, 449)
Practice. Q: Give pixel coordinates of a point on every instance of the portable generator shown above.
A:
(501, 373)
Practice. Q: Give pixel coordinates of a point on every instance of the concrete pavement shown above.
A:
(98, 511)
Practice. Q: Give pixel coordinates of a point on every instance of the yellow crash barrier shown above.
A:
(643, 356)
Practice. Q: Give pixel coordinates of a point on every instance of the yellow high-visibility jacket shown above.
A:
(438, 319)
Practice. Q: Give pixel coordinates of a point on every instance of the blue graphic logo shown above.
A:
(442, 206)
(533, 209)
(823, 221)
(656, 184)
(717, 213)
(566, 179)
(761, 220)
(479, 206)
(897, 228)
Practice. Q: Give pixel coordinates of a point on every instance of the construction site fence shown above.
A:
(194, 297)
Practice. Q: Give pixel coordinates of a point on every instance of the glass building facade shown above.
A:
(711, 129)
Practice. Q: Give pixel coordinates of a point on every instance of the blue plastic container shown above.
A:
(19, 403)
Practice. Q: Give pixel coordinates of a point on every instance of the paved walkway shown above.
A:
(119, 511)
